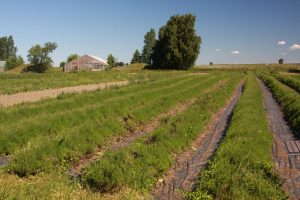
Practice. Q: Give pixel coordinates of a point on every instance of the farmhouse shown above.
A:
(86, 62)
(2, 65)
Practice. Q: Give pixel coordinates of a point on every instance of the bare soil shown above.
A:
(184, 173)
(287, 163)
(34, 96)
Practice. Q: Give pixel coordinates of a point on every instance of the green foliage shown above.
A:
(243, 166)
(62, 64)
(136, 58)
(280, 61)
(111, 61)
(178, 46)
(120, 64)
(288, 98)
(211, 63)
(13, 62)
(149, 42)
(142, 162)
(72, 57)
(7, 48)
(61, 135)
(39, 57)
(290, 81)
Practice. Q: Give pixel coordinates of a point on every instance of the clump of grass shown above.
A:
(243, 167)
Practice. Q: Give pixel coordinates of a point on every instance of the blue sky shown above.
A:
(232, 31)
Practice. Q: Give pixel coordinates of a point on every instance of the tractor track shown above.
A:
(287, 160)
(184, 172)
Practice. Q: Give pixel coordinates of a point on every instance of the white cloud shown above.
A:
(283, 53)
(218, 49)
(235, 52)
(295, 47)
(281, 42)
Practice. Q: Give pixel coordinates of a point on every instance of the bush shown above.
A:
(13, 62)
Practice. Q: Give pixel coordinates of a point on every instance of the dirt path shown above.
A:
(286, 148)
(184, 173)
(10, 100)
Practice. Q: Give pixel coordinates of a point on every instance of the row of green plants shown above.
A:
(242, 167)
(139, 165)
(64, 140)
(288, 98)
(290, 81)
(11, 83)
(31, 122)
(65, 102)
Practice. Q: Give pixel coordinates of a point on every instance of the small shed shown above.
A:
(2, 66)
(86, 63)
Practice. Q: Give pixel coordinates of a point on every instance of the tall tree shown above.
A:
(111, 61)
(39, 57)
(7, 48)
(149, 42)
(72, 57)
(178, 45)
(136, 58)
(280, 61)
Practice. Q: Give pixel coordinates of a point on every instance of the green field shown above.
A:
(45, 139)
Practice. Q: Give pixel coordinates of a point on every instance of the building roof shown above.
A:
(97, 58)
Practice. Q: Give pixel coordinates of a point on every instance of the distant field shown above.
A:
(11, 83)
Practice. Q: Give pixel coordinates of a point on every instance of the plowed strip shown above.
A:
(10, 100)
(183, 174)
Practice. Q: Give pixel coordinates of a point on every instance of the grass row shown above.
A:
(290, 81)
(243, 167)
(139, 165)
(70, 101)
(288, 98)
(95, 125)
(25, 123)
(13, 83)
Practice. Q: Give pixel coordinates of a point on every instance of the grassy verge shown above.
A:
(289, 81)
(243, 167)
(139, 165)
(288, 98)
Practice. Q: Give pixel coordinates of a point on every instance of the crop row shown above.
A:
(71, 134)
(243, 167)
(139, 165)
(288, 98)
(14, 83)
(290, 81)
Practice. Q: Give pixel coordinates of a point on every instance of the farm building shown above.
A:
(86, 62)
(2, 65)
